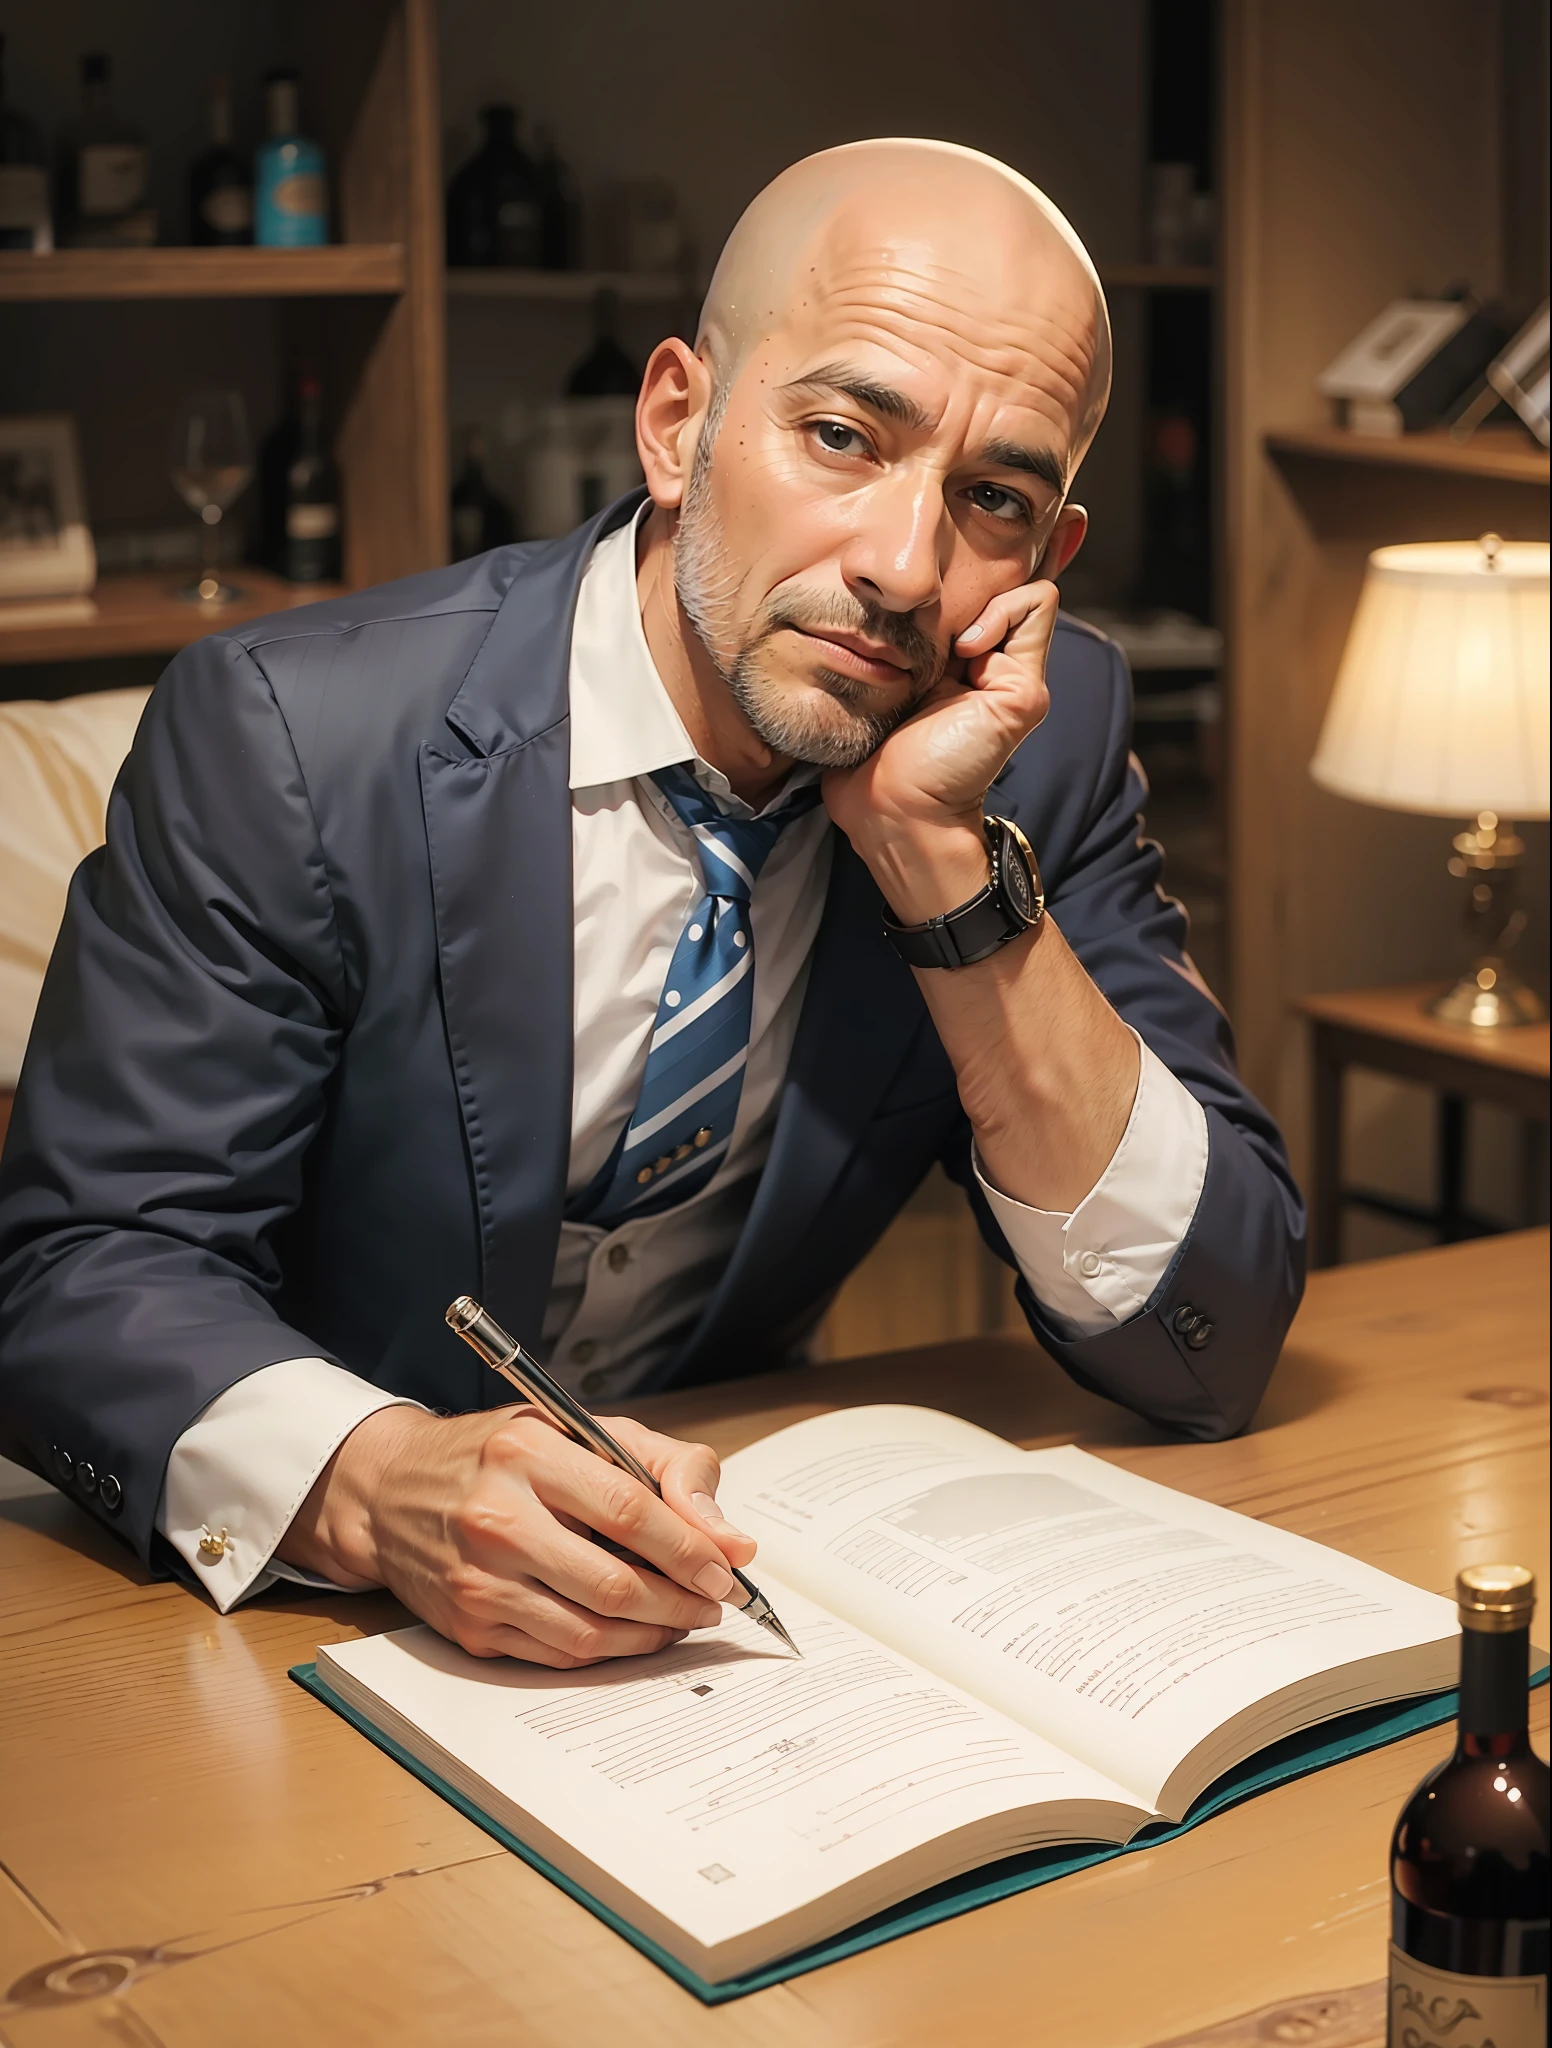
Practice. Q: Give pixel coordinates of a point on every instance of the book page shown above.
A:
(724, 1781)
(1121, 1619)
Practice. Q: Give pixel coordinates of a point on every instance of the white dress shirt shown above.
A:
(622, 1299)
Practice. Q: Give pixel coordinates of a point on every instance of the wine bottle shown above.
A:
(560, 206)
(311, 548)
(495, 207)
(104, 170)
(606, 371)
(291, 188)
(220, 181)
(1469, 1862)
(482, 519)
(25, 219)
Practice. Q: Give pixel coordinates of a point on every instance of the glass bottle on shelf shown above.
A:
(290, 176)
(482, 519)
(25, 219)
(606, 371)
(311, 547)
(104, 171)
(560, 206)
(495, 204)
(220, 181)
(1469, 1862)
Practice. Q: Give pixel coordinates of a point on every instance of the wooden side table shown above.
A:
(1389, 1031)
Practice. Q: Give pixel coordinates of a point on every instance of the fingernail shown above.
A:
(714, 1580)
(971, 633)
(708, 1511)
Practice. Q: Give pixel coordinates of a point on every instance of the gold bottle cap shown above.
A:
(1495, 1599)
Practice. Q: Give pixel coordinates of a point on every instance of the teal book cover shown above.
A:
(1331, 1742)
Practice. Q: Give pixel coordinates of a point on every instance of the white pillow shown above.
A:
(57, 764)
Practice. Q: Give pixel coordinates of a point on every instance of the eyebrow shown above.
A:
(854, 383)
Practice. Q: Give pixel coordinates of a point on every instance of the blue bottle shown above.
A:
(290, 182)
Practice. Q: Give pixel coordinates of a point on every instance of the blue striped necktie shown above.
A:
(682, 1124)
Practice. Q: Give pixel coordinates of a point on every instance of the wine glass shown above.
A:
(211, 461)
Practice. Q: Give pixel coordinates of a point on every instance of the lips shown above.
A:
(866, 653)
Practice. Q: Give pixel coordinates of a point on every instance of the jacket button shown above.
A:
(111, 1493)
(64, 1464)
(86, 1476)
(1184, 1318)
(1200, 1334)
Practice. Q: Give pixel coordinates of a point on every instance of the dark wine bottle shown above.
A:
(220, 181)
(495, 206)
(560, 205)
(311, 552)
(606, 371)
(1469, 1865)
(482, 518)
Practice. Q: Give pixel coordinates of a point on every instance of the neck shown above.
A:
(718, 729)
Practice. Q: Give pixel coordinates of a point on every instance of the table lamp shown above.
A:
(1441, 706)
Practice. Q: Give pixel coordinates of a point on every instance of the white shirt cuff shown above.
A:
(246, 1463)
(1097, 1267)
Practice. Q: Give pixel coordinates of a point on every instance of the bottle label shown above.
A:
(312, 522)
(300, 196)
(23, 197)
(1432, 2008)
(112, 178)
(228, 210)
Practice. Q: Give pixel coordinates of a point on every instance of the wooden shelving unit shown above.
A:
(140, 614)
(343, 271)
(1498, 454)
(570, 287)
(368, 311)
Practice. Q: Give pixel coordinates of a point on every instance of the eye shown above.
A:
(1000, 504)
(835, 437)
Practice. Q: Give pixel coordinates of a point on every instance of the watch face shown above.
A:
(1018, 884)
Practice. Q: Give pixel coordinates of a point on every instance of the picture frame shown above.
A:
(45, 540)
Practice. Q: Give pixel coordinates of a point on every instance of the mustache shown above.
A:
(808, 611)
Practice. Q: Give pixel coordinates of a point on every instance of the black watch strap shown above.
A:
(1011, 904)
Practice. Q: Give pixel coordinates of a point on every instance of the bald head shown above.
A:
(897, 214)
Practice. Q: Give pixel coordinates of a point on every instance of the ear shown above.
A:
(675, 397)
(1067, 536)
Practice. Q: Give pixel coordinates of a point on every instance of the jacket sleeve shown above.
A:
(1198, 1355)
(188, 1026)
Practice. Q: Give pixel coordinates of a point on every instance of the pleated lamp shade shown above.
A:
(1441, 702)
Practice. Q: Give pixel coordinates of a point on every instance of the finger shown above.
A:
(689, 1475)
(570, 1481)
(1004, 614)
(483, 1638)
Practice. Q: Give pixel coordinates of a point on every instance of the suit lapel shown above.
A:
(860, 1012)
(498, 831)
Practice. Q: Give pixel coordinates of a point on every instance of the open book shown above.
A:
(1001, 1649)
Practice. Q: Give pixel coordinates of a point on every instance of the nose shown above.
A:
(895, 557)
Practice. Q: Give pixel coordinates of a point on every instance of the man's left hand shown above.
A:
(913, 809)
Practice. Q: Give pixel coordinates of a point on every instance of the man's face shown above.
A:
(890, 459)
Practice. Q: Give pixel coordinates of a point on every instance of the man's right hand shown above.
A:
(477, 1523)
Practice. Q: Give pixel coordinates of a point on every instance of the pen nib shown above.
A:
(768, 1620)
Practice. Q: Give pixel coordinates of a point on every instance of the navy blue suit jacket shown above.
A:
(301, 1071)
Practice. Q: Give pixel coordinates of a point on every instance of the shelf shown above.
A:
(1503, 454)
(571, 287)
(344, 270)
(139, 614)
(1158, 277)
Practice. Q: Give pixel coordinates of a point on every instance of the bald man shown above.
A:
(619, 929)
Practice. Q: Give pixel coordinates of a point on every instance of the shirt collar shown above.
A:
(623, 721)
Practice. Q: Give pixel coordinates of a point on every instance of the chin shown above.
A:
(816, 716)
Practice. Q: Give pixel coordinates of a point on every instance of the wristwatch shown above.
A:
(1012, 903)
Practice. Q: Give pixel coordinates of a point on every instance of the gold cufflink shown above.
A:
(212, 1548)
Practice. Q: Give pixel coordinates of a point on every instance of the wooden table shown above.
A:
(205, 1855)
(1390, 1031)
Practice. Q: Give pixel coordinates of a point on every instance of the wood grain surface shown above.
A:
(195, 1852)
(1401, 1015)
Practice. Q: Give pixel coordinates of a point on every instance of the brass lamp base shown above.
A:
(1491, 998)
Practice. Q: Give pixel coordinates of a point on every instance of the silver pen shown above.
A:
(503, 1354)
